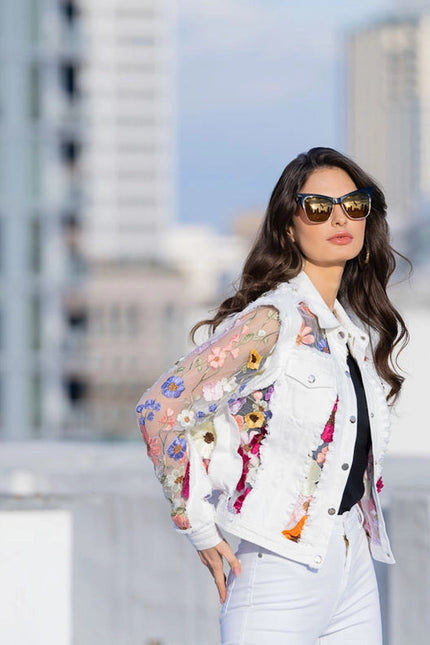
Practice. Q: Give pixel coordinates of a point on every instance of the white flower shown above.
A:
(228, 385)
(174, 481)
(261, 333)
(186, 418)
(213, 391)
(204, 439)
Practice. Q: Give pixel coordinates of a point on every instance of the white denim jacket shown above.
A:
(253, 432)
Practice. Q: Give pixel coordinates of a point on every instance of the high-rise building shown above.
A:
(129, 101)
(86, 154)
(388, 109)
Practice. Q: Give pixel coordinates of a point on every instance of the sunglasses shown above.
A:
(318, 208)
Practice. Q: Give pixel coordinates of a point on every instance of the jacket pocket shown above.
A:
(311, 388)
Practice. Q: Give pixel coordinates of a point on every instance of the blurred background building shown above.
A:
(97, 269)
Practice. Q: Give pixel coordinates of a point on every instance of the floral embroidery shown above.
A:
(196, 387)
(173, 387)
(379, 485)
(251, 414)
(217, 357)
(299, 514)
(311, 333)
(254, 360)
(177, 448)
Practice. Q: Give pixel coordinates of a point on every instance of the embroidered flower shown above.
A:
(254, 360)
(255, 419)
(139, 408)
(168, 419)
(305, 336)
(177, 448)
(173, 387)
(238, 503)
(212, 407)
(154, 449)
(261, 333)
(213, 391)
(228, 385)
(175, 480)
(181, 521)
(186, 483)
(379, 485)
(235, 405)
(204, 439)
(186, 418)
(217, 358)
(269, 393)
(323, 346)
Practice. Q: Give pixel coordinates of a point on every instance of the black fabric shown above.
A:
(354, 487)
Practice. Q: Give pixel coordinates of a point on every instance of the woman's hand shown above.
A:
(213, 560)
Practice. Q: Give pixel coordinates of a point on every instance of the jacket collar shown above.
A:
(307, 291)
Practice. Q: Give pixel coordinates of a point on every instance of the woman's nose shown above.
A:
(338, 215)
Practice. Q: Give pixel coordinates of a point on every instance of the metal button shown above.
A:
(311, 378)
(345, 466)
(331, 511)
(341, 334)
(317, 559)
(372, 415)
(352, 418)
(363, 337)
(260, 555)
(347, 373)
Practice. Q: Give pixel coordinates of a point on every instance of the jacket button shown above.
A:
(347, 373)
(331, 511)
(317, 559)
(372, 415)
(352, 418)
(311, 378)
(345, 466)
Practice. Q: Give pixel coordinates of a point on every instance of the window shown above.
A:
(69, 79)
(35, 245)
(70, 11)
(34, 92)
(35, 323)
(36, 400)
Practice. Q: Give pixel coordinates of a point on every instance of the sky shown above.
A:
(258, 82)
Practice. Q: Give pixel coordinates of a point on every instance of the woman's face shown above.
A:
(316, 241)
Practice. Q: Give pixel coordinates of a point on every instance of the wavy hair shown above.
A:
(275, 258)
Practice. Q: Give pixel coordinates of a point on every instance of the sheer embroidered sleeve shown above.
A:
(183, 402)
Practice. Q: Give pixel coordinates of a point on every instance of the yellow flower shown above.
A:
(254, 419)
(254, 360)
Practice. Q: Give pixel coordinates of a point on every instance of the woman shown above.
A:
(275, 429)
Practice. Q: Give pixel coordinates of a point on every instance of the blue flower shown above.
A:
(213, 407)
(173, 387)
(150, 416)
(157, 406)
(177, 449)
(149, 404)
(268, 414)
(139, 408)
(322, 345)
(200, 414)
(142, 421)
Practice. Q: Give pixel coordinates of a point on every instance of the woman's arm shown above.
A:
(178, 411)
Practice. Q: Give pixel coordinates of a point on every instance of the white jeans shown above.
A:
(277, 601)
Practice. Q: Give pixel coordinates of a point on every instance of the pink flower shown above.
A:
(322, 455)
(168, 418)
(181, 521)
(217, 358)
(327, 434)
(238, 503)
(186, 483)
(379, 485)
(213, 391)
(305, 336)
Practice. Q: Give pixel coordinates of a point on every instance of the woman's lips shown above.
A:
(341, 238)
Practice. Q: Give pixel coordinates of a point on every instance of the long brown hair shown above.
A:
(275, 258)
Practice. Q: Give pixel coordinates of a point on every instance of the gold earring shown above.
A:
(362, 262)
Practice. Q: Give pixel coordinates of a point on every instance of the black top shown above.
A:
(354, 488)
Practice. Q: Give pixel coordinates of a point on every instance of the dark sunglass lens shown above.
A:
(318, 209)
(357, 205)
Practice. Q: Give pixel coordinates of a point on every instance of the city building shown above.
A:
(86, 174)
(388, 109)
